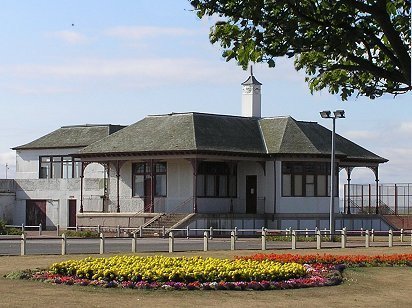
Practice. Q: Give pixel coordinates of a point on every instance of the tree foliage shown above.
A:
(348, 46)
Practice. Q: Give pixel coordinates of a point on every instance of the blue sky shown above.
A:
(123, 60)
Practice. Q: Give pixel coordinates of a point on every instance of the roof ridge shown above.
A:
(194, 131)
(263, 137)
(295, 123)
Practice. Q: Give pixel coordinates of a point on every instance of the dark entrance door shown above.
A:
(72, 213)
(251, 194)
(148, 206)
(36, 213)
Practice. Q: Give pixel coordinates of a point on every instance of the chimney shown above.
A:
(251, 97)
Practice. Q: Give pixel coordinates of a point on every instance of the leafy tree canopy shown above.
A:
(348, 46)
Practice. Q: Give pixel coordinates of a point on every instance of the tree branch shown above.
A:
(365, 65)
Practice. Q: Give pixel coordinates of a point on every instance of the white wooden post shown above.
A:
(187, 232)
(411, 237)
(264, 239)
(98, 229)
(293, 239)
(118, 231)
(39, 229)
(164, 231)
(361, 231)
(343, 238)
(22, 228)
(205, 241)
(401, 235)
(57, 229)
(236, 233)
(306, 233)
(211, 233)
(390, 244)
(367, 240)
(140, 231)
(372, 235)
(318, 240)
(23, 244)
(232, 241)
(64, 244)
(134, 243)
(102, 243)
(171, 242)
(77, 227)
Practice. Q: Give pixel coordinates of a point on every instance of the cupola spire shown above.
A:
(251, 96)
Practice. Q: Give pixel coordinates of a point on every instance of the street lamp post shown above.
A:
(336, 115)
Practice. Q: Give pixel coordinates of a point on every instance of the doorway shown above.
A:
(36, 213)
(251, 194)
(148, 206)
(72, 213)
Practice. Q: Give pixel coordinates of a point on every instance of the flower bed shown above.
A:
(348, 260)
(164, 269)
(194, 273)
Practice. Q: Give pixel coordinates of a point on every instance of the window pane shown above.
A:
(138, 186)
(222, 186)
(287, 185)
(210, 186)
(310, 185)
(77, 168)
(57, 169)
(45, 170)
(232, 186)
(67, 167)
(139, 168)
(322, 185)
(160, 167)
(298, 185)
(201, 185)
(160, 185)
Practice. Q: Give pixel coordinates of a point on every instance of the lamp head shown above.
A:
(325, 114)
(339, 113)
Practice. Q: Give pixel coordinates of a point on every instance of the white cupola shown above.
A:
(251, 97)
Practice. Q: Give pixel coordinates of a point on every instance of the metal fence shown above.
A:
(392, 198)
(181, 240)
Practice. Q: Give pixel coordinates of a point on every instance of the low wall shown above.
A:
(124, 220)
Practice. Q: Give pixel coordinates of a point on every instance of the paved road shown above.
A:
(44, 245)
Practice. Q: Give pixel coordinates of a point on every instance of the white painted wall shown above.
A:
(27, 163)
(56, 192)
(179, 188)
(250, 168)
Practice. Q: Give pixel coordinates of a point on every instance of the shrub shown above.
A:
(8, 231)
(88, 233)
(2, 227)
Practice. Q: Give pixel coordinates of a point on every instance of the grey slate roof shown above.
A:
(184, 132)
(288, 136)
(71, 137)
(233, 135)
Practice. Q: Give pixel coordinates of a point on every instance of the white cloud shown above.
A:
(70, 37)
(145, 71)
(406, 127)
(361, 134)
(138, 33)
(37, 89)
